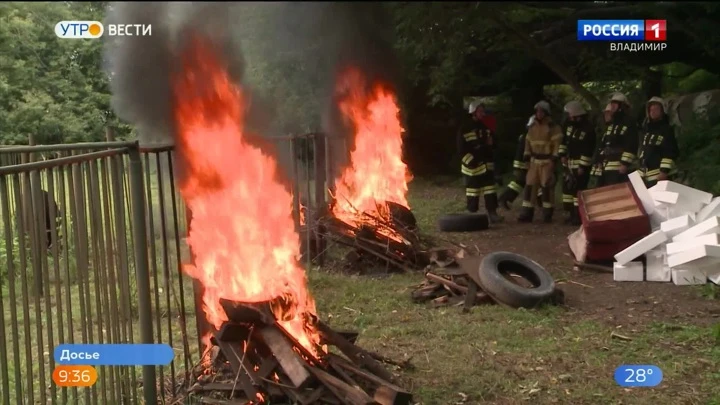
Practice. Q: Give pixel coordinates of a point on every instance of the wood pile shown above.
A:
(254, 360)
(449, 281)
(382, 237)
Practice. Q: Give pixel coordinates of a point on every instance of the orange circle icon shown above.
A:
(94, 29)
(74, 376)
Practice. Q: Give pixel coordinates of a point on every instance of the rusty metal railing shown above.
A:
(91, 251)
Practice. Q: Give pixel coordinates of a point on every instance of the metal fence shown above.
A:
(91, 251)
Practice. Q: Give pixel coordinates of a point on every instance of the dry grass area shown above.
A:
(555, 355)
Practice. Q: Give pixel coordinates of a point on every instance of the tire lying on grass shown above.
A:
(463, 222)
(496, 274)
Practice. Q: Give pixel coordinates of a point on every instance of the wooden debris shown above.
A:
(256, 358)
(448, 290)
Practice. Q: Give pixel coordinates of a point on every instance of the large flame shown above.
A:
(376, 172)
(242, 234)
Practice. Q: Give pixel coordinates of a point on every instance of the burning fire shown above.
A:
(242, 234)
(376, 172)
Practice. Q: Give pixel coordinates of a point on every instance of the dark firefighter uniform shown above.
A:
(577, 147)
(617, 148)
(475, 144)
(542, 145)
(659, 149)
(517, 184)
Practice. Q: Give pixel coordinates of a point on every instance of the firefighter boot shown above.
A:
(547, 215)
(506, 198)
(526, 214)
(575, 219)
(491, 205)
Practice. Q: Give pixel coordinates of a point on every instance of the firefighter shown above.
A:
(607, 119)
(515, 187)
(659, 149)
(576, 151)
(619, 143)
(542, 145)
(475, 142)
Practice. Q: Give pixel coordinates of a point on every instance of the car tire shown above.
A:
(494, 277)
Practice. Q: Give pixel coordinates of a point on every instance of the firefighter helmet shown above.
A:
(574, 108)
(543, 105)
(657, 100)
(474, 106)
(620, 98)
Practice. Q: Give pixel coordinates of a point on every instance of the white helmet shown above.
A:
(543, 105)
(574, 108)
(474, 106)
(530, 121)
(620, 98)
(657, 100)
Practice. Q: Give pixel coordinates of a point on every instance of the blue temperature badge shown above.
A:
(632, 375)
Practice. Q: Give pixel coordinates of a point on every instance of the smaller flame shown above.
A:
(376, 173)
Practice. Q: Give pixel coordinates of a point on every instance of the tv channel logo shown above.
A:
(622, 30)
(79, 29)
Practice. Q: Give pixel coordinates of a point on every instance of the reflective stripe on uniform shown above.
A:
(585, 161)
(596, 171)
(562, 149)
(467, 158)
(515, 186)
(470, 136)
(473, 192)
(613, 166)
(627, 157)
(576, 202)
(527, 204)
(567, 198)
(651, 175)
(573, 164)
(489, 190)
(547, 204)
(473, 172)
(519, 165)
(490, 165)
(667, 164)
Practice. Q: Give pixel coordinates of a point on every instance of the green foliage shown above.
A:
(699, 161)
(52, 88)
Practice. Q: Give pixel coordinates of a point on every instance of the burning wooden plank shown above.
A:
(258, 360)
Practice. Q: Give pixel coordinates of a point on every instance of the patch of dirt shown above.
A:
(593, 295)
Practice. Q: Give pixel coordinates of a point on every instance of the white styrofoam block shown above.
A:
(684, 191)
(655, 268)
(656, 219)
(683, 276)
(632, 271)
(642, 192)
(713, 275)
(699, 256)
(677, 247)
(710, 225)
(667, 197)
(640, 247)
(676, 225)
(710, 210)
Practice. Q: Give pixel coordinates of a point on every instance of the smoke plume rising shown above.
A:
(141, 67)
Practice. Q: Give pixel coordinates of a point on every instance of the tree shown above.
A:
(52, 88)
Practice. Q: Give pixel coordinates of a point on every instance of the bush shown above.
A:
(699, 160)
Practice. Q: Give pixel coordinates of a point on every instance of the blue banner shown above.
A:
(634, 375)
(611, 30)
(114, 354)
